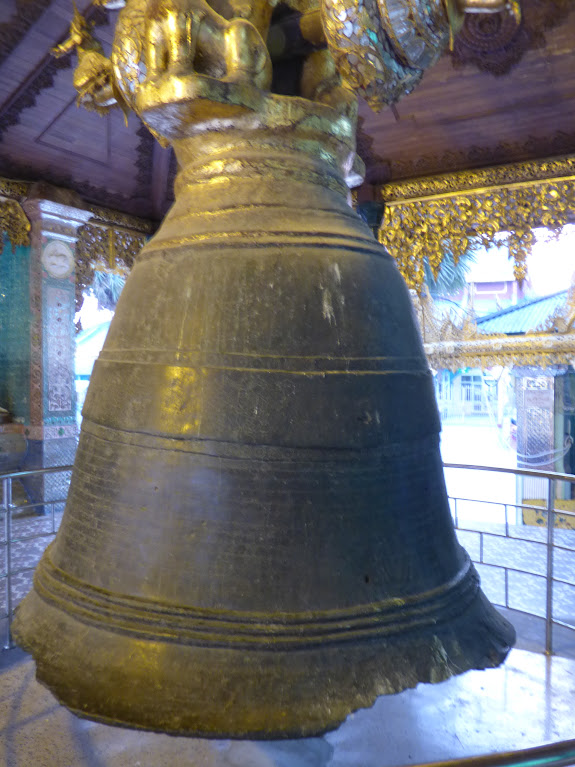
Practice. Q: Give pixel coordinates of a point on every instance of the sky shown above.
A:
(551, 265)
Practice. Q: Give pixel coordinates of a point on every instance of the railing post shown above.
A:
(7, 495)
(550, 534)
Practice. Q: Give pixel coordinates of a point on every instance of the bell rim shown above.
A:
(116, 679)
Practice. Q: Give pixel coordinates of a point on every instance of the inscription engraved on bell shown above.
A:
(257, 539)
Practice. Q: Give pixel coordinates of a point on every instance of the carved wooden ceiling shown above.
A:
(506, 93)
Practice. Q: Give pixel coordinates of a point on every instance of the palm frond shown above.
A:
(451, 276)
(106, 287)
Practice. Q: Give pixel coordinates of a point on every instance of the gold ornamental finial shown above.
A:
(79, 36)
(181, 63)
(93, 76)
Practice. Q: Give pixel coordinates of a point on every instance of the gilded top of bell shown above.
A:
(182, 65)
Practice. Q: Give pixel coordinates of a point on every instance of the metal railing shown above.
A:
(15, 534)
(10, 514)
(551, 755)
(508, 531)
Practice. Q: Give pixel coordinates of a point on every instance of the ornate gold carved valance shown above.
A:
(15, 190)
(106, 247)
(14, 223)
(452, 343)
(427, 217)
(108, 217)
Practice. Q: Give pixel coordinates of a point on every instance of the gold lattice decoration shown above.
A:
(104, 248)
(14, 223)
(452, 343)
(426, 218)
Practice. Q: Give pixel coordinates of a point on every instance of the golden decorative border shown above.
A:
(452, 344)
(14, 222)
(17, 190)
(104, 248)
(529, 172)
(500, 206)
(109, 242)
(529, 350)
(123, 220)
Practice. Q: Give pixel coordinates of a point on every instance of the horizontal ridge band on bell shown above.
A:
(371, 457)
(304, 365)
(203, 403)
(255, 207)
(153, 620)
(222, 171)
(250, 238)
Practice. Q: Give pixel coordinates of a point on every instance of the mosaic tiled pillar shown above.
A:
(15, 329)
(51, 424)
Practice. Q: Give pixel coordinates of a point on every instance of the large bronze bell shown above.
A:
(257, 539)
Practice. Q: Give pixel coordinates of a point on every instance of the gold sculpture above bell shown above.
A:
(257, 539)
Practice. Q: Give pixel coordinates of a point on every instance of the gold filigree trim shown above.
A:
(113, 217)
(105, 248)
(529, 350)
(452, 343)
(15, 190)
(14, 223)
(442, 184)
(426, 218)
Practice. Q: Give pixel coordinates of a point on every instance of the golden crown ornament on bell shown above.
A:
(257, 539)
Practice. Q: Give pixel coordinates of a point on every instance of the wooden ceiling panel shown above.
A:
(43, 135)
(22, 61)
(465, 118)
(76, 137)
(54, 132)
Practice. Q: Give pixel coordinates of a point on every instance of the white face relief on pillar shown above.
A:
(58, 259)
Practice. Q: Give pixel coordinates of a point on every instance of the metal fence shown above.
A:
(551, 755)
(27, 528)
(527, 568)
(522, 567)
